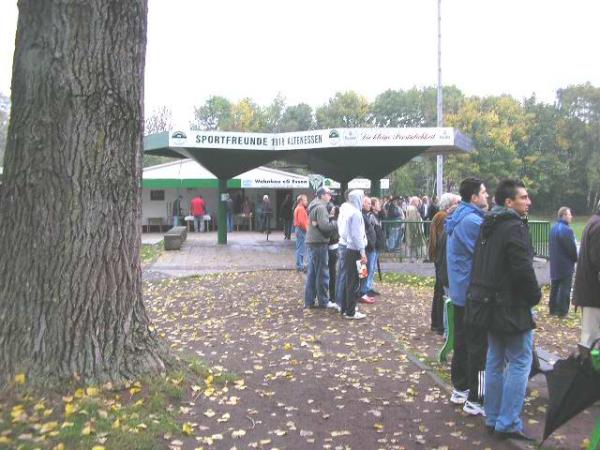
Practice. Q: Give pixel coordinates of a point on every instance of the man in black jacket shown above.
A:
(503, 277)
(587, 281)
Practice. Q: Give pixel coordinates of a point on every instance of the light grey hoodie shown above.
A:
(354, 231)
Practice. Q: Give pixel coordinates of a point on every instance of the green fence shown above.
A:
(540, 235)
(406, 240)
(409, 240)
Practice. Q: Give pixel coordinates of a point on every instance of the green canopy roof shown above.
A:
(342, 153)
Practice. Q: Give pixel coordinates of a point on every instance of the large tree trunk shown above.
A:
(70, 278)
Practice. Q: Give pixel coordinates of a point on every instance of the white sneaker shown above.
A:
(473, 409)
(459, 397)
(332, 305)
(357, 315)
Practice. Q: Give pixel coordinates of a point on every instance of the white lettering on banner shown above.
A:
(365, 137)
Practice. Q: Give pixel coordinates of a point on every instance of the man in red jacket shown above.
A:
(300, 225)
(198, 210)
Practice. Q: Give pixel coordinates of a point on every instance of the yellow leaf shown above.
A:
(20, 378)
(48, 427)
(60, 446)
(67, 424)
(187, 429)
(6, 440)
(87, 430)
(378, 426)
(79, 393)
(98, 447)
(116, 423)
(92, 391)
(209, 380)
(135, 390)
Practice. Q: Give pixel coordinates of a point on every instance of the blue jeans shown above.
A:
(229, 221)
(506, 373)
(340, 284)
(371, 267)
(317, 275)
(300, 248)
(560, 295)
(198, 223)
(175, 221)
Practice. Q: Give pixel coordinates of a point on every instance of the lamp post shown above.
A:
(440, 106)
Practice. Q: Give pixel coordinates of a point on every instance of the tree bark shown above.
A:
(70, 277)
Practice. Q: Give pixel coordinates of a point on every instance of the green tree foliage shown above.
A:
(215, 114)
(297, 118)
(245, 116)
(347, 109)
(581, 104)
(272, 115)
(554, 148)
(414, 107)
(497, 127)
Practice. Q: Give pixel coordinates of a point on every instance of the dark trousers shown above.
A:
(333, 259)
(437, 304)
(287, 228)
(352, 293)
(560, 295)
(468, 362)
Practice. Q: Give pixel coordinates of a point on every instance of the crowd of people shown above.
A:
(483, 260)
(338, 247)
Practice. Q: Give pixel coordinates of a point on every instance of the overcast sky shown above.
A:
(309, 50)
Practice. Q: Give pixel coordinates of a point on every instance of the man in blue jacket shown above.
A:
(563, 256)
(470, 345)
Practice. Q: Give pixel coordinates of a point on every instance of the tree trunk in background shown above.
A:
(70, 277)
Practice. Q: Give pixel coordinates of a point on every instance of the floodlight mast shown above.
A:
(440, 106)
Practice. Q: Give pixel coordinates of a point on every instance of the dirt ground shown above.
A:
(311, 379)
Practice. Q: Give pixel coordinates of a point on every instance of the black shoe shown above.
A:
(373, 293)
(516, 435)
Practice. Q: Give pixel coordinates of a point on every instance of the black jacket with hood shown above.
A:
(503, 273)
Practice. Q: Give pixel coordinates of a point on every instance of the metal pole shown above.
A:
(375, 187)
(440, 106)
(222, 212)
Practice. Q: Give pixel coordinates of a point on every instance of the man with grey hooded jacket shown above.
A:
(320, 228)
(356, 241)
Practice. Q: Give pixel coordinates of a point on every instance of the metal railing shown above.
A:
(406, 239)
(410, 240)
(539, 232)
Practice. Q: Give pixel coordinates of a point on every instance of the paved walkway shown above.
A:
(249, 251)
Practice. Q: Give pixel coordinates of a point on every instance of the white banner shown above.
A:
(342, 137)
(274, 183)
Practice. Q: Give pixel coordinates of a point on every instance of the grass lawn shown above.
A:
(577, 225)
(151, 252)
